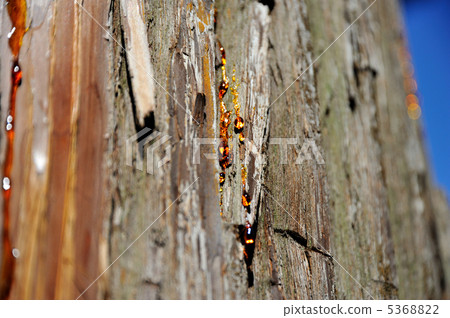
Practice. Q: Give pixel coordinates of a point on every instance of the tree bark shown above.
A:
(94, 216)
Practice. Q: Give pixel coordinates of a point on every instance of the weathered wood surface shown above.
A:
(366, 223)
(58, 170)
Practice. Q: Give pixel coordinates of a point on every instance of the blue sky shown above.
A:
(428, 29)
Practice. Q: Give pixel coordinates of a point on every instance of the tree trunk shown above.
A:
(95, 214)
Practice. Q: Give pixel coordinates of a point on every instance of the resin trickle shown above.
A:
(17, 10)
(247, 235)
(225, 158)
(238, 122)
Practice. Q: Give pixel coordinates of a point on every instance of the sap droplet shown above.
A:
(10, 34)
(223, 88)
(15, 252)
(225, 120)
(224, 150)
(221, 178)
(16, 74)
(225, 162)
(238, 124)
(248, 236)
(238, 127)
(246, 199)
(6, 183)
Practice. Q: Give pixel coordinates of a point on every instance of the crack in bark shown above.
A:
(298, 238)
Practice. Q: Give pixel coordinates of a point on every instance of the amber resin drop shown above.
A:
(16, 74)
(223, 88)
(225, 162)
(224, 57)
(238, 124)
(225, 159)
(222, 178)
(246, 199)
(224, 150)
(224, 123)
(248, 235)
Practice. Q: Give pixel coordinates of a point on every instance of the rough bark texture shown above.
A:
(368, 223)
